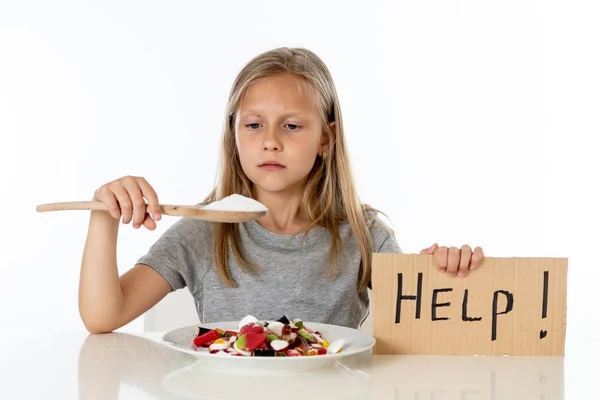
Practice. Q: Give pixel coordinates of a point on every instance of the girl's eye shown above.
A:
(293, 127)
(254, 125)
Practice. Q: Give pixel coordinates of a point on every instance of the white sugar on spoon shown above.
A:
(236, 202)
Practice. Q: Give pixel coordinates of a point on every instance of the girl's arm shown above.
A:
(107, 301)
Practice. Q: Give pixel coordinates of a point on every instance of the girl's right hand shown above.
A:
(125, 197)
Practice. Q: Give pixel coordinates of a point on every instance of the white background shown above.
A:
(468, 122)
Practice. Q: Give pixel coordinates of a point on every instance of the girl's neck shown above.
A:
(283, 216)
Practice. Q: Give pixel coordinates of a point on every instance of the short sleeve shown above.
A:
(389, 245)
(179, 253)
(384, 239)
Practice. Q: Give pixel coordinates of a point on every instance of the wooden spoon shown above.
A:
(197, 212)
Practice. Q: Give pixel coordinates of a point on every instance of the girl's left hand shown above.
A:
(455, 261)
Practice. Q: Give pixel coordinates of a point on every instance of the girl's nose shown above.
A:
(271, 140)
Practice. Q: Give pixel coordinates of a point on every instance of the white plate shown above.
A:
(356, 342)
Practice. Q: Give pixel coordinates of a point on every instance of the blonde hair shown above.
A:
(329, 197)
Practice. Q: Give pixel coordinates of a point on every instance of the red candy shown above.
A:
(293, 353)
(253, 340)
(251, 328)
(207, 337)
(263, 346)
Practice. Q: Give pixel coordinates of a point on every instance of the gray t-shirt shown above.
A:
(292, 282)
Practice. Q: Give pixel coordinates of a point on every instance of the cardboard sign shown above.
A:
(508, 306)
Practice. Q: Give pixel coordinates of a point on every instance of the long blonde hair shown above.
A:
(329, 197)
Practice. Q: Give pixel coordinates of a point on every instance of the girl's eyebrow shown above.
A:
(248, 113)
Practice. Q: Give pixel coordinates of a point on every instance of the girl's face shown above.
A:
(279, 133)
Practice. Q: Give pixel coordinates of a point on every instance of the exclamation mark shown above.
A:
(543, 333)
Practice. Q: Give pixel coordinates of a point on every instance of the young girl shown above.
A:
(308, 258)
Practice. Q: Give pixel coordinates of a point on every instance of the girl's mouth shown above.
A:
(271, 166)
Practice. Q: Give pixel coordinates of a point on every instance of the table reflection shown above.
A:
(464, 377)
(106, 362)
(109, 362)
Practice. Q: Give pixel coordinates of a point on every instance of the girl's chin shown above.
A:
(276, 187)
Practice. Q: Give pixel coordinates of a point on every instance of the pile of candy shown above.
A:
(280, 338)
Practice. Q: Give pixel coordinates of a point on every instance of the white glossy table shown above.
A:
(76, 365)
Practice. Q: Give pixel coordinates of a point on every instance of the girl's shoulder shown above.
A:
(374, 220)
(189, 232)
(382, 234)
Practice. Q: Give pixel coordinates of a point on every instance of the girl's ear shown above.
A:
(326, 146)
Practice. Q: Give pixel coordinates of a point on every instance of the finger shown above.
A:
(476, 258)
(109, 200)
(430, 249)
(124, 202)
(465, 260)
(441, 256)
(149, 223)
(139, 205)
(453, 261)
(150, 195)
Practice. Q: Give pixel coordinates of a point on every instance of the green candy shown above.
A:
(306, 335)
(241, 342)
